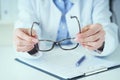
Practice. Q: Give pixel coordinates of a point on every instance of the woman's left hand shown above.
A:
(91, 36)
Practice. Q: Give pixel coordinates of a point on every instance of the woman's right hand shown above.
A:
(23, 40)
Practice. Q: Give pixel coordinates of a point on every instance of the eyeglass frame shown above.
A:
(56, 42)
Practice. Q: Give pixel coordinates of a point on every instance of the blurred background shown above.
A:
(8, 15)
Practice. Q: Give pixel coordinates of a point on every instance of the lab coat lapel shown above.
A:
(55, 16)
(72, 23)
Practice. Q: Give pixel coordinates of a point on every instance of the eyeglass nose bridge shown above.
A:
(57, 43)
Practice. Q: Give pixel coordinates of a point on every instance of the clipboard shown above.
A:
(62, 65)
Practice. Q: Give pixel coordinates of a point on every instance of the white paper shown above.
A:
(62, 63)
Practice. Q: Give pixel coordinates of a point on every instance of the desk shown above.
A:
(12, 70)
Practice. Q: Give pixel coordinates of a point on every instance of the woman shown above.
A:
(97, 34)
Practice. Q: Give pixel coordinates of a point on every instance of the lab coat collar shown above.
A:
(72, 23)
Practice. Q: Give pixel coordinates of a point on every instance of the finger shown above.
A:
(93, 38)
(90, 47)
(91, 31)
(23, 33)
(21, 42)
(94, 45)
(84, 29)
(32, 33)
(24, 48)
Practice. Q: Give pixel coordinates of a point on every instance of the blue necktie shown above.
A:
(64, 6)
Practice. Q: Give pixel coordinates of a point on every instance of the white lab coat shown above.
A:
(88, 12)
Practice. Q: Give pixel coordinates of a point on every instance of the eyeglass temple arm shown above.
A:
(32, 27)
(77, 21)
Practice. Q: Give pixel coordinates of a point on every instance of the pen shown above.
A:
(80, 61)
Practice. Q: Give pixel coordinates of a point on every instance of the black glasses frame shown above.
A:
(56, 42)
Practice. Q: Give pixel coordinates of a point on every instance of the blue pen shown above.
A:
(80, 61)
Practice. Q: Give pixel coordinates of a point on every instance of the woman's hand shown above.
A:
(23, 40)
(91, 36)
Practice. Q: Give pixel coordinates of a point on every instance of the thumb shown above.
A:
(32, 33)
(86, 28)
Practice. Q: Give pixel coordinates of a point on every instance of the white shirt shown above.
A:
(88, 12)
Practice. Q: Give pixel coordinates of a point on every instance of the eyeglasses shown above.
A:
(48, 45)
